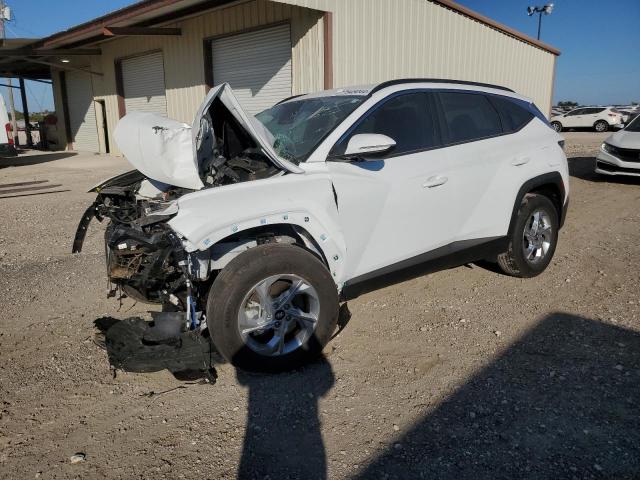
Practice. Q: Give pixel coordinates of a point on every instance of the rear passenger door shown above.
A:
(480, 165)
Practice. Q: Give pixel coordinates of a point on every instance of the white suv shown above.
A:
(598, 118)
(257, 227)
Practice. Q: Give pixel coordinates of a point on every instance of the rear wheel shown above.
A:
(533, 240)
(272, 308)
(601, 126)
(557, 126)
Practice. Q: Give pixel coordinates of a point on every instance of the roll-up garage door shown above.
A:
(143, 84)
(82, 112)
(257, 65)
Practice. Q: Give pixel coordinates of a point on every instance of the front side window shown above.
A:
(405, 118)
(514, 116)
(298, 126)
(579, 111)
(469, 117)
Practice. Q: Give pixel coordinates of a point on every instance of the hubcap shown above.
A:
(278, 315)
(537, 237)
(600, 127)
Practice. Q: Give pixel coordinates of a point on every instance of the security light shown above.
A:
(547, 9)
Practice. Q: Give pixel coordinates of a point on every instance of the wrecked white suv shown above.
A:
(258, 227)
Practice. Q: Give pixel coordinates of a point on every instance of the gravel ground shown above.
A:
(464, 373)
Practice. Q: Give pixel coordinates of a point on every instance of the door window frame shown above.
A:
(430, 105)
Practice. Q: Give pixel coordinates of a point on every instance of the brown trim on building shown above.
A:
(207, 50)
(328, 50)
(68, 37)
(122, 109)
(498, 26)
(65, 109)
(139, 31)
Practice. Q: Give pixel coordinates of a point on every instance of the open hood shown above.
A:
(166, 150)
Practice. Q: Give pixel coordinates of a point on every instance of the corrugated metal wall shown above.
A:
(377, 40)
(184, 55)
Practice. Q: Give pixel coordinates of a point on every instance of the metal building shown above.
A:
(163, 55)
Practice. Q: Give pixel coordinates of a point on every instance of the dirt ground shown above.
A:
(464, 373)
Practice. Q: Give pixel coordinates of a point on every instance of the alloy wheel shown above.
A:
(537, 236)
(278, 315)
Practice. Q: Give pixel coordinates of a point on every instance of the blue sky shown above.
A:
(598, 39)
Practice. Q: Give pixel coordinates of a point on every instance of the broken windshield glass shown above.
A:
(298, 126)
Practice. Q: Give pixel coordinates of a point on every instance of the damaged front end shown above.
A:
(146, 260)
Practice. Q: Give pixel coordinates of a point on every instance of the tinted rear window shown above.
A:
(469, 116)
(514, 116)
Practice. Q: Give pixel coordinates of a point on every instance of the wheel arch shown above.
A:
(550, 185)
(284, 233)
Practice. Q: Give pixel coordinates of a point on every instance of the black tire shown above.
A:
(239, 277)
(514, 262)
(557, 126)
(601, 126)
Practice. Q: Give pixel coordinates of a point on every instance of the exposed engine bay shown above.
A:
(145, 259)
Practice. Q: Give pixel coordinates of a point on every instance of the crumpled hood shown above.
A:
(625, 139)
(165, 150)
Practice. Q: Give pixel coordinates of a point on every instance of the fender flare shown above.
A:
(551, 178)
(331, 247)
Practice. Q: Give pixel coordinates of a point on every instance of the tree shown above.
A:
(568, 103)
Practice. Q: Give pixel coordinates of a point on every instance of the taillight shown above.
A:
(613, 114)
(7, 127)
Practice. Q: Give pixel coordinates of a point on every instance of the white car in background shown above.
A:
(598, 118)
(620, 153)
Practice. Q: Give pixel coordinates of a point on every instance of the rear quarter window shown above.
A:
(514, 115)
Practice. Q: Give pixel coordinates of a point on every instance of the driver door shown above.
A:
(396, 207)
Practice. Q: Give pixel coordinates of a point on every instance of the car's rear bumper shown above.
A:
(608, 164)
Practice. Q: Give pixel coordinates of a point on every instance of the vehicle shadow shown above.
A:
(190, 358)
(283, 437)
(584, 168)
(24, 160)
(562, 402)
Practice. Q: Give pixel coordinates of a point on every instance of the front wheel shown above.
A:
(272, 308)
(533, 240)
(601, 126)
(557, 126)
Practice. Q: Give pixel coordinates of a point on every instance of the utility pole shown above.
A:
(14, 125)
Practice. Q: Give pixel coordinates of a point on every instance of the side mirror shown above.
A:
(368, 144)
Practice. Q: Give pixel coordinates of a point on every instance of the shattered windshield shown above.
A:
(298, 126)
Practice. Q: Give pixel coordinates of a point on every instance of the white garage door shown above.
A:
(257, 65)
(143, 84)
(82, 112)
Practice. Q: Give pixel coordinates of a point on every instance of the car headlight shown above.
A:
(609, 148)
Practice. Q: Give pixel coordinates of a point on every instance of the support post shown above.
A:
(25, 112)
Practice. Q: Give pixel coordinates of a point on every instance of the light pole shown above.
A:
(547, 9)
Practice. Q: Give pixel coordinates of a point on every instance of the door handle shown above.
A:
(435, 181)
(520, 161)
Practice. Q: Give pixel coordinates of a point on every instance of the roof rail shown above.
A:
(400, 81)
